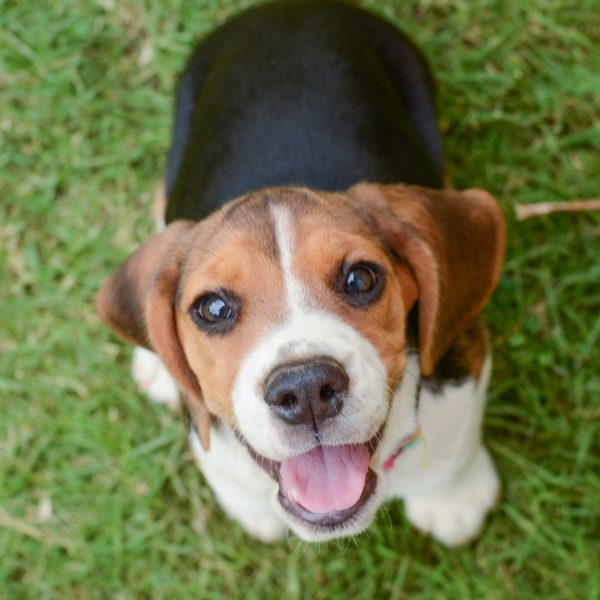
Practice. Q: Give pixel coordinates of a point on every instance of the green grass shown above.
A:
(85, 96)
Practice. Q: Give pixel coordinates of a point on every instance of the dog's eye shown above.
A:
(215, 312)
(359, 280)
(361, 284)
(213, 308)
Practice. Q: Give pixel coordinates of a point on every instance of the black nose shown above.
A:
(307, 393)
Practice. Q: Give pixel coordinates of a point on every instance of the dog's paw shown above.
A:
(454, 514)
(153, 378)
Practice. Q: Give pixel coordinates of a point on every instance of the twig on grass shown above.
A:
(22, 527)
(7, 521)
(525, 211)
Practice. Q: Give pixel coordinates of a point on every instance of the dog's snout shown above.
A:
(307, 393)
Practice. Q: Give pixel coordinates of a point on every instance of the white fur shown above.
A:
(153, 378)
(297, 296)
(450, 422)
(302, 337)
(447, 479)
(242, 488)
(454, 512)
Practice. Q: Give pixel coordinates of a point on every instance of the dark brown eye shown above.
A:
(359, 280)
(214, 308)
(360, 284)
(215, 312)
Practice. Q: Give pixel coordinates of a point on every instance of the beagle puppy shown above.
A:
(315, 294)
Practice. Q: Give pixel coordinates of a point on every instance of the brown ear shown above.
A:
(138, 303)
(453, 244)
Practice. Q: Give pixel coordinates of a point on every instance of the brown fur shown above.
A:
(235, 263)
(453, 243)
(138, 301)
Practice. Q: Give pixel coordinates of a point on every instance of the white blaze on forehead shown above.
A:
(297, 296)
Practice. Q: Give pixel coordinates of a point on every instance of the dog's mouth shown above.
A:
(326, 486)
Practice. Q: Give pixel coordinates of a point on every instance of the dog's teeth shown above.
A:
(293, 495)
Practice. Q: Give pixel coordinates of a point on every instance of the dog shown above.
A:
(316, 292)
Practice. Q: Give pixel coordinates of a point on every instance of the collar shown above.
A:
(407, 440)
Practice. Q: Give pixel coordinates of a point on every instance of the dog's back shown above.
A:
(300, 93)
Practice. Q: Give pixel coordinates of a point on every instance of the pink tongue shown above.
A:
(327, 478)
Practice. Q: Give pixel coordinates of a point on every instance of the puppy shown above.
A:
(315, 294)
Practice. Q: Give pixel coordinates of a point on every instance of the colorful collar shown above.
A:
(405, 442)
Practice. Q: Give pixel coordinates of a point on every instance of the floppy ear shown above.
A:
(138, 303)
(453, 245)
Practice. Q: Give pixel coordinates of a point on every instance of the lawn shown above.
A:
(99, 497)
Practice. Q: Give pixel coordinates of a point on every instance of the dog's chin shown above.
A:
(319, 515)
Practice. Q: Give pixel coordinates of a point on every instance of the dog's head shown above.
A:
(285, 314)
